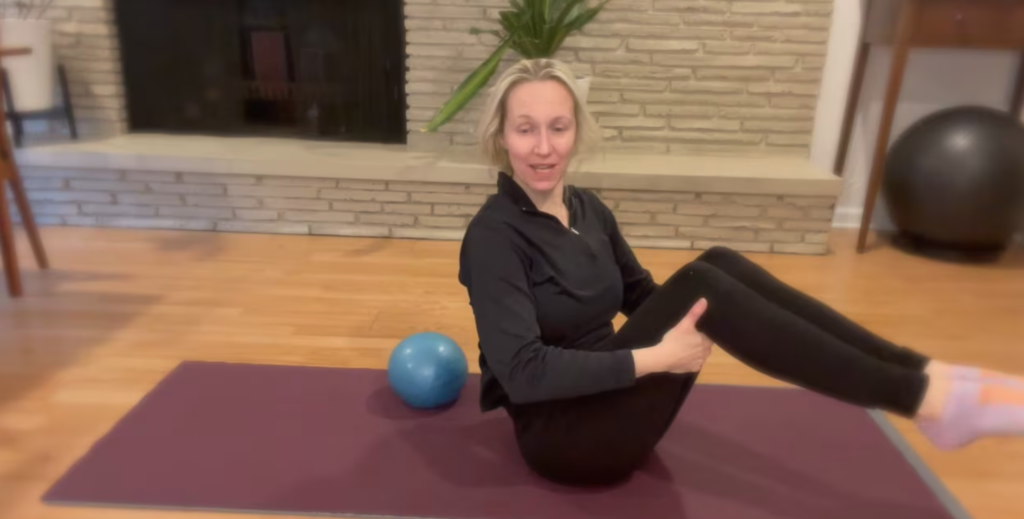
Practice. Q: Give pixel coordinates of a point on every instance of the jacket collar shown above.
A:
(512, 191)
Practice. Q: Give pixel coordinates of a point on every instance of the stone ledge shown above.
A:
(771, 174)
(404, 209)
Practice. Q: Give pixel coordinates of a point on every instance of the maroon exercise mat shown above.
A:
(277, 439)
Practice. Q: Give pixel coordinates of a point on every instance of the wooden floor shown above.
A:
(120, 308)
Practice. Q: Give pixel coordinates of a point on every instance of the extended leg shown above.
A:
(603, 437)
(817, 313)
(756, 278)
(777, 342)
(951, 412)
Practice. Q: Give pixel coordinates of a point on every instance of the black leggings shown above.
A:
(769, 326)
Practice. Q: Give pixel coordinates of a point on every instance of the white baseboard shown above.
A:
(846, 218)
(849, 218)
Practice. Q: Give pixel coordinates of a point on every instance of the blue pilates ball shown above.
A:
(427, 370)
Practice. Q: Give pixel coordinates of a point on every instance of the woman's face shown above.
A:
(539, 132)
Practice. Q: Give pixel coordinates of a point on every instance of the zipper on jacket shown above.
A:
(590, 248)
(542, 214)
(568, 205)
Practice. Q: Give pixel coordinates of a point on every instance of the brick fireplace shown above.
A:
(317, 69)
(675, 84)
(669, 76)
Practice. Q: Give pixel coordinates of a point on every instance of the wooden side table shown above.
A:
(9, 176)
(907, 24)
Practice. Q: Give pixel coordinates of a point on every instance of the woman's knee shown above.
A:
(719, 255)
(695, 278)
(698, 280)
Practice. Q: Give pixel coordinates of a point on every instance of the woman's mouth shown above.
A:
(542, 168)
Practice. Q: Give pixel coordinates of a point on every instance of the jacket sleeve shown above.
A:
(496, 276)
(638, 284)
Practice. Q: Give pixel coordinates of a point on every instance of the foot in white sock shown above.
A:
(974, 410)
(985, 376)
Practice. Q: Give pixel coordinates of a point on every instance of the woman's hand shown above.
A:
(683, 349)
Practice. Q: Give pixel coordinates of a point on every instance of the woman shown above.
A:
(547, 270)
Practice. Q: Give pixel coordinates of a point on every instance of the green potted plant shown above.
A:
(533, 29)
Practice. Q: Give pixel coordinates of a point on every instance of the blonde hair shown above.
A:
(492, 121)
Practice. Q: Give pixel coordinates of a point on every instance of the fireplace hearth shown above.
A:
(320, 69)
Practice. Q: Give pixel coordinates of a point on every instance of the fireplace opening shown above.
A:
(322, 69)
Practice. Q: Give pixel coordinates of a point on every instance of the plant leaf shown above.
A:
(585, 17)
(532, 28)
(510, 22)
(495, 32)
(468, 89)
(559, 29)
(568, 8)
(538, 28)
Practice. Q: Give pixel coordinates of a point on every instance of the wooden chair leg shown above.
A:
(69, 109)
(12, 113)
(856, 82)
(13, 177)
(900, 50)
(1017, 97)
(28, 220)
(10, 256)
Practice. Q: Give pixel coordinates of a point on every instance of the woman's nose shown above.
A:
(543, 146)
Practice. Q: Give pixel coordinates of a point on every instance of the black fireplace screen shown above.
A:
(331, 69)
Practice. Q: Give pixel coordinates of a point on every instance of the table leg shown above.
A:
(900, 50)
(28, 220)
(1017, 99)
(10, 257)
(13, 177)
(856, 81)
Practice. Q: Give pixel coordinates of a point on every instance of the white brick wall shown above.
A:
(669, 75)
(423, 210)
(754, 223)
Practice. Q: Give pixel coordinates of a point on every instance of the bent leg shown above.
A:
(809, 309)
(781, 344)
(599, 439)
(602, 438)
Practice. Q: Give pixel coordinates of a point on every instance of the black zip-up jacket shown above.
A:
(544, 296)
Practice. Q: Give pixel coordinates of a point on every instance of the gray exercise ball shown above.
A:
(954, 183)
